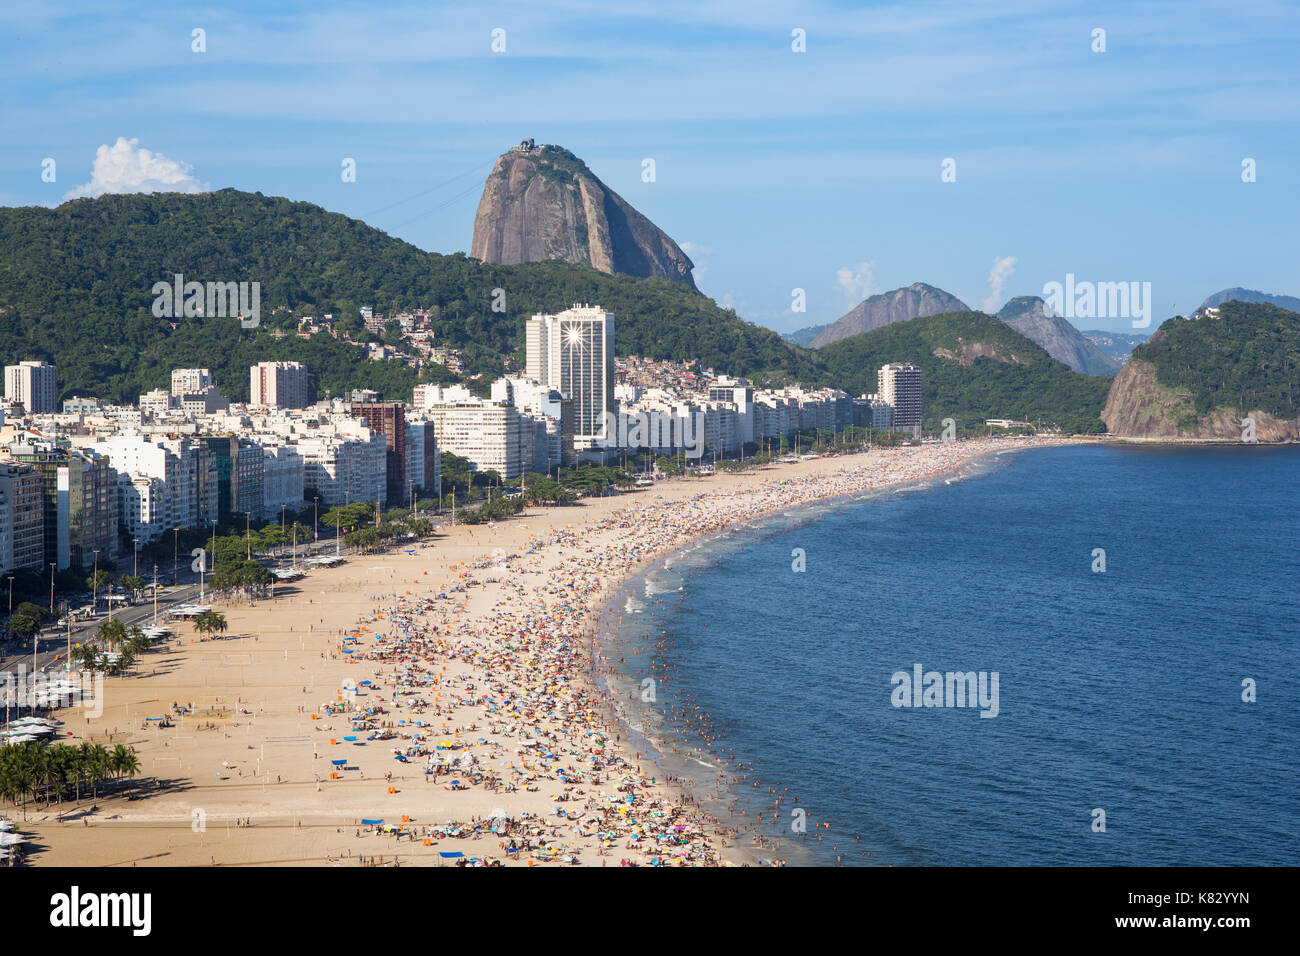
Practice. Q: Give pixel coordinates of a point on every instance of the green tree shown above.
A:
(210, 622)
(133, 583)
(111, 633)
(23, 626)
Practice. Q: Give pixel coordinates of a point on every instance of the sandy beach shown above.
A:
(447, 692)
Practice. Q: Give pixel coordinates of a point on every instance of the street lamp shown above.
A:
(52, 567)
(94, 585)
(11, 595)
(135, 566)
(315, 521)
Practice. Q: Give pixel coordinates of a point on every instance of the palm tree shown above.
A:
(123, 761)
(111, 633)
(85, 655)
(97, 763)
(46, 770)
(210, 622)
(20, 770)
(63, 767)
(133, 583)
(137, 643)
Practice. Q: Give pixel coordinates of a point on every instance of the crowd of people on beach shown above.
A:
(504, 693)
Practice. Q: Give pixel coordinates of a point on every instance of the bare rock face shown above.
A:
(542, 202)
(1029, 315)
(1139, 407)
(970, 351)
(917, 300)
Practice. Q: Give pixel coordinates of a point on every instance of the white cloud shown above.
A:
(998, 275)
(125, 167)
(856, 283)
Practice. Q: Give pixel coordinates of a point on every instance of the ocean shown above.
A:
(1138, 606)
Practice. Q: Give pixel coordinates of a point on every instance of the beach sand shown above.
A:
(502, 617)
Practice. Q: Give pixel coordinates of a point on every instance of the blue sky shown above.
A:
(776, 170)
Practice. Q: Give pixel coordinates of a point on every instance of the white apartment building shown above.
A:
(186, 494)
(485, 433)
(144, 507)
(552, 420)
(156, 403)
(32, 385)
(739, 393)
(279, 385)
(343, 468)
(282, 479)
(876, 412)
(426, 396)
(187, 381)
(773, 417)
(573, 353)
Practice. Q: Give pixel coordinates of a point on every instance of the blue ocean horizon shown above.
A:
(1119, 692)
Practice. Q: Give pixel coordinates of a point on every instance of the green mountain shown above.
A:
(76, 289)
(896, 306)
(1198, 377)
(973, 367)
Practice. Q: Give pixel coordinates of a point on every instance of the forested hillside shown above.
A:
(76, 281)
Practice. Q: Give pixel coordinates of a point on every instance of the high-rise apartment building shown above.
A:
(163, 483)
(81, 502)
(485, 433)
(389, 419)
(239, 465)
(900, 386)
(573, 352)
(279, 385)
(22, 517)
(31, 384)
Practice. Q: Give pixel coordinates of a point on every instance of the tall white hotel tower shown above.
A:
(573, 353)
(900, 386)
